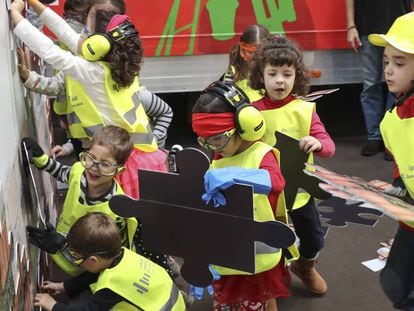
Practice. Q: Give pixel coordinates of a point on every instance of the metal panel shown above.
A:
(176, 74)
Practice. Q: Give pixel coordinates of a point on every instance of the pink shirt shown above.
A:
(317, 129)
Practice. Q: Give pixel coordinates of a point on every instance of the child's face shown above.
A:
(279, 81)
(398, 69)
(96, 175)
(229, 148)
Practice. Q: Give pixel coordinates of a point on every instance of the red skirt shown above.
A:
(128, 178)
(239, 289)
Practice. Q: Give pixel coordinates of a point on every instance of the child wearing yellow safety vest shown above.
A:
(397, 128)
(102, 85)
(227, 124)
(241, 56)
(279, 70)
(91, 185)
(118, 278)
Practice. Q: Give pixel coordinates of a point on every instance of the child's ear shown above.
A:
(94, 259)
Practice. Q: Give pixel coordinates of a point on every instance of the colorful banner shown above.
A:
(174, 27)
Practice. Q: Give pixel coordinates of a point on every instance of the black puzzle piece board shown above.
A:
(340, 213)
(186, 187)
(202, 237)
(292, 163)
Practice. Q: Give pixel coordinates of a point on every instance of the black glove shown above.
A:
(46, 239)
(35, 153)
(32, 147)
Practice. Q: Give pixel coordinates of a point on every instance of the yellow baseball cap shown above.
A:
(400, 35)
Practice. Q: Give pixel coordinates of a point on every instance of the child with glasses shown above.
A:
(220, 127)
(118, 278)
(279, 70)
(92, 184)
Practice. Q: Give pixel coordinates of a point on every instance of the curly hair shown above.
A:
(125, 60)
(254, 34)
(279, 51)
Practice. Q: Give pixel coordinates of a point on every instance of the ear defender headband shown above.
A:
(97, 46)
(250, 123)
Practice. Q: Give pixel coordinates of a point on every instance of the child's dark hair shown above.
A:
(95, 233)
(125, 60)
(101, 20)
(125, 56)
(279, 51)
(254, 34)
(116, 139)
(210, 103)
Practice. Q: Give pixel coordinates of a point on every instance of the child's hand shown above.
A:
(23, 70)
(45, 301)
(18, 6)
(53, 288)
(59, 151)
(310, 144)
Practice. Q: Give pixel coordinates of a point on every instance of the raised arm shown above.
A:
(57, 25)
(51, 86)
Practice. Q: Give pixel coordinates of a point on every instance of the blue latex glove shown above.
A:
(216, 180)
(198, 292)
(216, 275)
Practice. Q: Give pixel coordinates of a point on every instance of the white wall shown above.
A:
(21, 114)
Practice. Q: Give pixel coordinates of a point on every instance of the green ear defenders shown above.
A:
(250, 123)
(97, 46)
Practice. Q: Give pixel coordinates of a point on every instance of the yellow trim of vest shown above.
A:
(126, 108)
(266, 257)
(73, 210)
(293, 119)
(399, 139)
(140, 282)
(252, 94)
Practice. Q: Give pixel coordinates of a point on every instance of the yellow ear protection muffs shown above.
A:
(250, 123)
(97, 46)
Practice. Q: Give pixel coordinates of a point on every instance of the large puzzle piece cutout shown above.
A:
(292, 163)
(177, 222)
(341, 213)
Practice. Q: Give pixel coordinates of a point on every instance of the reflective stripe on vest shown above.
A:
(399, 139)
(293, 119)
(266, 257)
(142, 283)
(73, 210)
(124, 107)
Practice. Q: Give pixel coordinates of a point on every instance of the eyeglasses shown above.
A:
(105, 168)
(79, 260)
(216, 142)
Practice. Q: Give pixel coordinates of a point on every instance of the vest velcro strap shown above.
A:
(142, 138)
